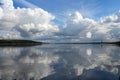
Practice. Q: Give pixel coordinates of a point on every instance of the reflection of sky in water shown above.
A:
(60, 62)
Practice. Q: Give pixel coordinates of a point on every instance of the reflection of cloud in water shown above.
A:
(31, 62)
(89, 52)
(55, 61)
(9, 52)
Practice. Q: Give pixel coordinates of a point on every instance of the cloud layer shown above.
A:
(36, 23)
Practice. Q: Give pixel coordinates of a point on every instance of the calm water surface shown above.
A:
(60, 62)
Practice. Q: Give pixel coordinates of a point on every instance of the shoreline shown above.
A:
(4, 42)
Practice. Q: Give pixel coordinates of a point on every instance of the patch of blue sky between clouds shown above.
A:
(92, 8)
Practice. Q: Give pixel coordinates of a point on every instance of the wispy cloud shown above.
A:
(27, 3)
(89, 8)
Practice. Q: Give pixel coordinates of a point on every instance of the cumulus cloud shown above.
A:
(78, 28)
(36, 23)
(26, 21)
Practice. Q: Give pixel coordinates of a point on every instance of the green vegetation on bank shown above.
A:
(5, 42)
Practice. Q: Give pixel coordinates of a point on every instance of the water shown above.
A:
(60, 62)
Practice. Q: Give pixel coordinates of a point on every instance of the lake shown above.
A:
(60, 62)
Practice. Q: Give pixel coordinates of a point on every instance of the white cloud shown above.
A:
(10, 35)
(80, 29)
(89, 35)
(1, 13)
(37, 23)
(111, 18)
(26, 21)
(7, 4)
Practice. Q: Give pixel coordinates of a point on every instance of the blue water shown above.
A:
(60, 62)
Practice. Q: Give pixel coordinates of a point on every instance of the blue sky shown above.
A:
(89, 8)
(61, 20)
